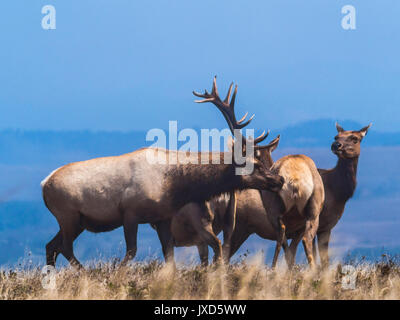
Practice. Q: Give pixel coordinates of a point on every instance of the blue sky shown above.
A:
(131, 65)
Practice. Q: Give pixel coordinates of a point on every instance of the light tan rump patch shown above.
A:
(299, 185)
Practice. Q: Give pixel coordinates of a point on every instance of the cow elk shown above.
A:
(102, 194)
(340, 184)
(301, 198)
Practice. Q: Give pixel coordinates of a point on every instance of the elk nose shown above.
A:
(278, 184)
(336, 146)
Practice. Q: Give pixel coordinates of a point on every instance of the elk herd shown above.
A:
(189, 203)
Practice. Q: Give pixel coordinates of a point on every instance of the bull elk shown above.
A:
(102, 194)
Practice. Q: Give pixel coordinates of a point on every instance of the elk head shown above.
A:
(261, 177)
(347, 143)
(264, 152)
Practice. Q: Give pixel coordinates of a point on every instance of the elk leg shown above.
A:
(201, 220)
(314, 249)
(69, 233)
(312, 211)
(280, 239)
(291, 252)
(167, 241)
(285, 245)
(275, 212)
(308, 239)
(239, 236)
(53, 249)
(229, 226)
(212, 240)
(323, 245)
(203, 253)
(130, 233)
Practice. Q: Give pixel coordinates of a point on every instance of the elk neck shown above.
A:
(200, 182)
(344, 178)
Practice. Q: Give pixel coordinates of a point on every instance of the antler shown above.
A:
(228, 110)
(259, 139)
(226, 107)
(269, 144)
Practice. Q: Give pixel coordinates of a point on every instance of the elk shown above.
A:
(302, 193)
(102, 194)
(339, 185)
(293, 211)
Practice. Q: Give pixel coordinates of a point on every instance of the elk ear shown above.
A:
(339, 128)
(364, 130)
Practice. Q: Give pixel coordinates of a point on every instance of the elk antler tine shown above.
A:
(268, 145)
(243, 118)
(226, 106)
(262, 137)
(214, 88)
(242, 125)
(232, 104)
(198, 94)
(204, 100)
(278, 137)
(229, 94)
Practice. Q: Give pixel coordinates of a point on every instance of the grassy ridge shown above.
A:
(243, 280)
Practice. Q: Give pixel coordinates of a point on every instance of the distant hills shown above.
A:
(57, 147)
(319, 133)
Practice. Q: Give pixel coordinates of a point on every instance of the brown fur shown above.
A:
(194, 223)
(339, 186)
(105, 193)
(180, 188)
(303, 192)
(251, 213)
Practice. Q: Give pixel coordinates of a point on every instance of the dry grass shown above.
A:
(243, 280)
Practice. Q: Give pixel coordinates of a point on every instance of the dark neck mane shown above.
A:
(186, 183)
(344, 178)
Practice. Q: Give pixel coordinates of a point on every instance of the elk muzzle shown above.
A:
(276, 183)
(336, 146)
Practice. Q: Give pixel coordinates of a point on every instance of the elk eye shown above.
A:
(355, 140)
